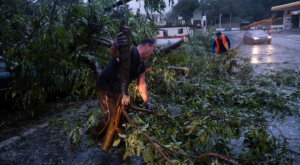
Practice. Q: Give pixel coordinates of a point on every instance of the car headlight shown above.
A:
(255, 38)
(269, 37)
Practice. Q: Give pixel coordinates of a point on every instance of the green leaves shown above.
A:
(116, 142)
(156, 5)
(52, 44)
(74, 135)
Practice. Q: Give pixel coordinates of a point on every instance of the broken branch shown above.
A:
(173, 46)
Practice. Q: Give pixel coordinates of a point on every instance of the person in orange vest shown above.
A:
(221, 43)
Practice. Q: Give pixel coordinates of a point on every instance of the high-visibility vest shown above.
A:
(223, 41)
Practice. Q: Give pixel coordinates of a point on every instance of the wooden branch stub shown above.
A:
(183, 70)
(173, 46)
(116, 4)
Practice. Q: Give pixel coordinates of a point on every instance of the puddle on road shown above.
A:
(269, 58)
(257, 52)
(257, 49)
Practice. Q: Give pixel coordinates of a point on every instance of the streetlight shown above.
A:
(220, 22)
(208, 7)
(204, 21)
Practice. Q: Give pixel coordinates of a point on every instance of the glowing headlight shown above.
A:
(255, 38)
(269, 37)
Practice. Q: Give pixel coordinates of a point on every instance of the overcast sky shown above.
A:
(135, 5)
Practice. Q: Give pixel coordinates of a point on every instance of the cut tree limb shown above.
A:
(116, 4)
(183, 70)
(173, 46)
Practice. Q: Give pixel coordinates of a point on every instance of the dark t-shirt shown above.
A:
(222, 47)
(108, 80)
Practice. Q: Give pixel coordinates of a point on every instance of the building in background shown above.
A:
(159, 19)
(197, 19)
(290, 10)
(173, 32)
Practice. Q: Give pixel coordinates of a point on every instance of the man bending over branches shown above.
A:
(108, 82)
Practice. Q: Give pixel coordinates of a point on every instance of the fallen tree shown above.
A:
(231, 105)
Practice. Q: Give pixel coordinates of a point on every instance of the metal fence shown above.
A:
(235, 22)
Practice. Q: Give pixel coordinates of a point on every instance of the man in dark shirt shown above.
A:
(221, 43)
(108, 83)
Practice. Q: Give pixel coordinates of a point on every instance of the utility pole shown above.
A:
(220, 22)
(202, 8)
(202, 13)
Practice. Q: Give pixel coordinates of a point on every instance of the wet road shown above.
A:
(283, 53)
(46, 142)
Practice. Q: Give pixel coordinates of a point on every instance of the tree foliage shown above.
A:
(218, 114)
(155, 5)
(52, 43)
(218, 107)
(256, 10)
(185, 9)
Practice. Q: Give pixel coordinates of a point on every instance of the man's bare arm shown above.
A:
(142, 86)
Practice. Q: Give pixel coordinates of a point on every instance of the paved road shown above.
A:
(281, 54)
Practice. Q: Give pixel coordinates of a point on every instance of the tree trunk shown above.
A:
(124, 68)
(124, 59)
